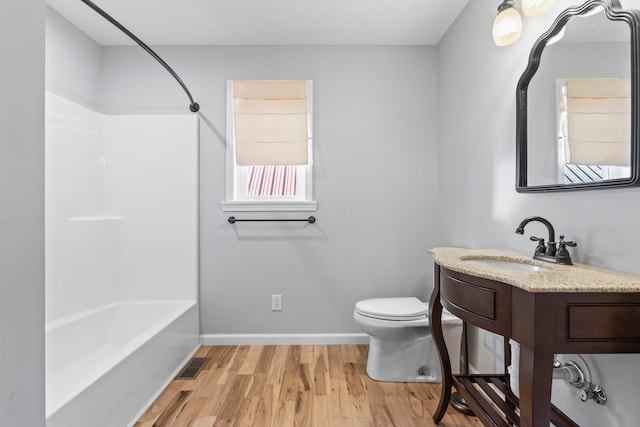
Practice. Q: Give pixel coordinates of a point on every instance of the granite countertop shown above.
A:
(558, 278)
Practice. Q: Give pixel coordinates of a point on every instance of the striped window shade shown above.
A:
(272, 181)
(599, 121)
(270, 118)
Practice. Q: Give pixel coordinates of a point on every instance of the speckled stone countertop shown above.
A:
(558, 278)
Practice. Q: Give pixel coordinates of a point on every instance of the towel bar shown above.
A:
(233, 220)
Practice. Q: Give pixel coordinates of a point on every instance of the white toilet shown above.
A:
(401, 348)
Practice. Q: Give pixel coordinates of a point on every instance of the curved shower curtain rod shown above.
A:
(193, 106)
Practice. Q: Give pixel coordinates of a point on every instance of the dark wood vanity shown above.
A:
(554, 318)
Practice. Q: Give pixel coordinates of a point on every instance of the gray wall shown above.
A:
(73, 62)
(479, 207)
(375, 113)
(22, 214)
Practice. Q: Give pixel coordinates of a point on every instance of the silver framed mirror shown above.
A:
(578, 102)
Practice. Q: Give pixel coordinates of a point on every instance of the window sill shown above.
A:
(251, 206)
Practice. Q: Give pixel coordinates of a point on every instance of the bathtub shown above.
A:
(105, 366)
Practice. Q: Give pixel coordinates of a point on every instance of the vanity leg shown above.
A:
(536, 376)
(435, 320)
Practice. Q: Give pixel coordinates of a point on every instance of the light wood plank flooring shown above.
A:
(281, 386)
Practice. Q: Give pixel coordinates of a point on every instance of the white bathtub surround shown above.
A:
(106, 364)
(121, 200)
(121, 260)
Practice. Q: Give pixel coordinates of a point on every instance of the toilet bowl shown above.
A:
(401, 348)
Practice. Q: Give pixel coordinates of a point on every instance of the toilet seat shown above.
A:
(401, 308)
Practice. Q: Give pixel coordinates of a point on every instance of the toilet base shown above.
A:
(412, 359)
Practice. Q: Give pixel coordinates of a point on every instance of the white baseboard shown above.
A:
(283, 339)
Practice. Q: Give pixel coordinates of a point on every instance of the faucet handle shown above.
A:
(563, 243)
(541, 248)
(563, 256)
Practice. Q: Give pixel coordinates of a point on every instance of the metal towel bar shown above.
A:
(233, 220)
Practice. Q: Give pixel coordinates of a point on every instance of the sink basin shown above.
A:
(504, 264)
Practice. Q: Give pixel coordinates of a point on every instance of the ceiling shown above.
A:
(266, 22)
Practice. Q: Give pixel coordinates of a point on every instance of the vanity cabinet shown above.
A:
(545, 321)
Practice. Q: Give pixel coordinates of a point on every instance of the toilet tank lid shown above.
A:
(401, 307)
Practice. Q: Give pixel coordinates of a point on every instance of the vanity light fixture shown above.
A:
(507, 27)
(537, 7)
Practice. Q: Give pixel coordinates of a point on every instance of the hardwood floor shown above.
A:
(281, 386)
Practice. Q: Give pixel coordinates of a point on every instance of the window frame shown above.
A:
(236, 199)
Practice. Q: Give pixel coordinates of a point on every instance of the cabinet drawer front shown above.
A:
(475, 300)
(482, 302)
(603, 322)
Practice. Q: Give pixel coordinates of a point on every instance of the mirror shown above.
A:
(578, 115)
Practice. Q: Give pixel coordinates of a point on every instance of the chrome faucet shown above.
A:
(548, 252)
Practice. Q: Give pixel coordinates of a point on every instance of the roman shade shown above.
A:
(599, 121)
(270, 118)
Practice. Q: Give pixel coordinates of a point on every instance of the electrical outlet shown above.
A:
(276, 302)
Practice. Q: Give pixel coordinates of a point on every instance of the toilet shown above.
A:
(401, 348)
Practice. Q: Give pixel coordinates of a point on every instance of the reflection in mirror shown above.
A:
(573, 122)
(575, 104)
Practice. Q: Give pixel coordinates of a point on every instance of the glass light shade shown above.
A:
(507, 27)
(537, 7)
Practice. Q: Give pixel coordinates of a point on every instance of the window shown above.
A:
(594, 129)
(269, 146)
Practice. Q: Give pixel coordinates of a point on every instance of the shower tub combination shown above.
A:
(121, 261)
(104, 366)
